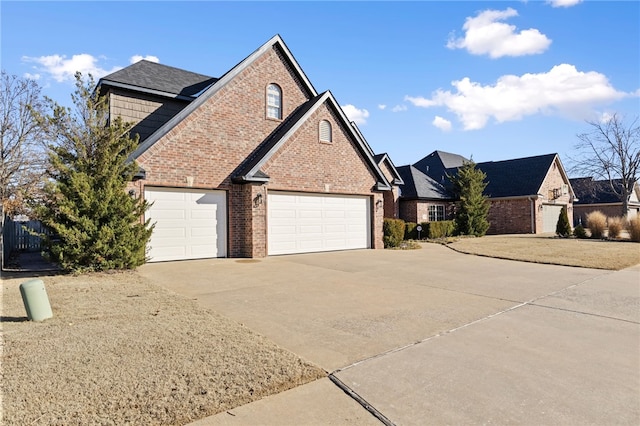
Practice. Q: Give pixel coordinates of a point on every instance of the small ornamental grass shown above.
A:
(615, 225)
(597, 224)
(633, 226)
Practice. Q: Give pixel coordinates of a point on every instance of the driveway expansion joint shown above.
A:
(584, 313)
(354, 395)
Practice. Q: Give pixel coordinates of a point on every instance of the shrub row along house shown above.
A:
(526, 195)
(250, 164)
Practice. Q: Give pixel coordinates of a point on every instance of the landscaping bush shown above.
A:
(615, 225)
(633, 226)
(563, 229)
(440, 229)
(410, 231)
(393, 230)
(597, 224)
(580, 232)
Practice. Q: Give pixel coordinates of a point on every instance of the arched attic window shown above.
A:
(274, 101)
(325, 131)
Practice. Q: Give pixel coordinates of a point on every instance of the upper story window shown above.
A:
(325, 131)
(274, 101)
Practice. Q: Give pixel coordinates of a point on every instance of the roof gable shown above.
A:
(150, 77)
(384, 159)
(250, 170)
(274, 42)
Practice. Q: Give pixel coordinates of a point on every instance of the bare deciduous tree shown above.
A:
(22, 156)
(611, 152)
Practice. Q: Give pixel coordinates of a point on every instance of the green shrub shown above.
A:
(441, 229)
(633, 226)
(393, 230)
(410, 231)
(597, 224)
(580, 232)
(615, 225)
(563, 229)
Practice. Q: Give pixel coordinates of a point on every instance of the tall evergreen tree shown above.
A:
(473, 207)
(563, 228)
(96, 223)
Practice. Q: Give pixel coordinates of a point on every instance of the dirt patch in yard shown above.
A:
(599, 254)
(120, 350)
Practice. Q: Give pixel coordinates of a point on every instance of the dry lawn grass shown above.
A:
(597, 254)
(120, 350)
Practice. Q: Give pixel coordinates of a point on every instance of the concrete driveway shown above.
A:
(432, 336)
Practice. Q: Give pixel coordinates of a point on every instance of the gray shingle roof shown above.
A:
(517, 177)
(437, 164)
(159, 78)
(419, 185)
(589, 191)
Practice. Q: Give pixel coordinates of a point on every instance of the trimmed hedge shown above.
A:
(393, 230)
(431, 230)
(439, 229)
(410, 231)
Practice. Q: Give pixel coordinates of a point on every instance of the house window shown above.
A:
(274, 101)
(325, 131)
(436, 213)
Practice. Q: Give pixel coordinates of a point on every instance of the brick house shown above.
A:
(526, 195)
(250, 164)
(599, 195)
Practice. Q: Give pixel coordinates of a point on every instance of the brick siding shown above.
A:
(210, 144)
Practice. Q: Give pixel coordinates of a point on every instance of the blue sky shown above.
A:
(492, 80)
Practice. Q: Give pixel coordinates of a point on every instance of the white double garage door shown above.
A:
(192, 224)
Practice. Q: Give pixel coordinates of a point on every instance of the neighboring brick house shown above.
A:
(526, 195)
(599, 195)
(422, 199)
(254, 163)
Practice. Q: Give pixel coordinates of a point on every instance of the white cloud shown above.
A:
(441, 123)
(399, 108)
(563, 90)
(605, 117)
(563, 3)
(32, 76)
(485, 35)
(382, 106)
(358, 116)
(138, 58)
(62, 68)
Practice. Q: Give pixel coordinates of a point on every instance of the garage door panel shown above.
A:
(161, 212)
(550, 214)
(317, 222)
(189, 224)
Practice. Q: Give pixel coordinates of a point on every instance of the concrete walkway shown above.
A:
(432, 336)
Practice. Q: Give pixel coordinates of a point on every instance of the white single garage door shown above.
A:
(550, 215)
(189, 224)
(303, 223)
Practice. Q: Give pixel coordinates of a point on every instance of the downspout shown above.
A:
(533, 216)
